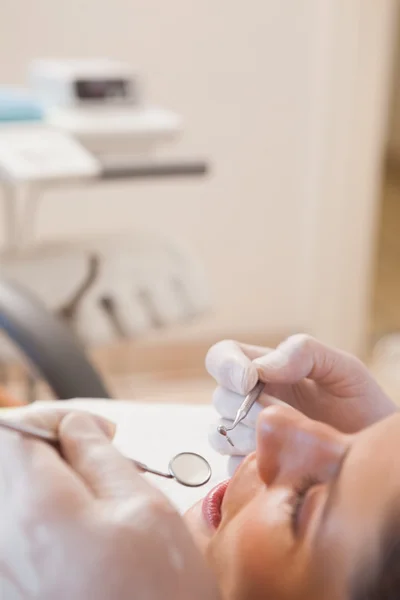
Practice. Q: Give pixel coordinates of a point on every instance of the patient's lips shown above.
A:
(212, 504)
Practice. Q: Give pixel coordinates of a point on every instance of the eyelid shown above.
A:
(333, 486)
(307, 519)
(305, 487)
(299, 497)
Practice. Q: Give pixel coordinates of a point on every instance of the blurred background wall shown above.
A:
(394, 122)
(288, 102)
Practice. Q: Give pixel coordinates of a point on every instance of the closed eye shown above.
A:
(297, 500)
(307, 483)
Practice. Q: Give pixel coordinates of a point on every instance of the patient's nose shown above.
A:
(291, 446)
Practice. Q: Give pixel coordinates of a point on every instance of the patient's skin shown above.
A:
(262, 548)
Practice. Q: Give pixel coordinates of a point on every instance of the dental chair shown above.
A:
(110, 288)
(47, 344)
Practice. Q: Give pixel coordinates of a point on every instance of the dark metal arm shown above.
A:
(48, 345)
(153, 170)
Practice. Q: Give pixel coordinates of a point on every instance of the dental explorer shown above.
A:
(243, 411)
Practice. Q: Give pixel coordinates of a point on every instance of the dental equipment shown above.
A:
(83, 83)
(243, 411)
(100, 103)
(187, 468)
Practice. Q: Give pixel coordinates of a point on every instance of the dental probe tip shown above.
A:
(222, 430)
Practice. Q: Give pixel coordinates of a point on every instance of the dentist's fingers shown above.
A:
(227, 403)
(243, 438)
(49, 419)
(301, 356)
(32, 471)
(237, 367)
(89, 451)
(230, 363)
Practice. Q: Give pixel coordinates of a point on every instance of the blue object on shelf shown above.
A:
(19, 105)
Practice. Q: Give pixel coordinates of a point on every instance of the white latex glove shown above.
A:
(324, 383)
(87, 524)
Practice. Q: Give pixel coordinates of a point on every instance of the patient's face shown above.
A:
(303, 512)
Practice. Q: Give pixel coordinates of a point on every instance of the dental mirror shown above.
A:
(190, 469)
(187, 468)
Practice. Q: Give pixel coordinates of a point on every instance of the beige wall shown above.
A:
(249, 80)
(394, 120)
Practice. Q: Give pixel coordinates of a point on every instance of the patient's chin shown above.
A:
(198, 527)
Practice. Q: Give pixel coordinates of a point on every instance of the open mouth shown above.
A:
(212, 504)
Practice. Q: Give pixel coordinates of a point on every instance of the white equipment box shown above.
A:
(83, 83)
(97, 101)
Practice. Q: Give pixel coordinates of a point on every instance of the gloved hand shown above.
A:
(88, 525)
(325, 384)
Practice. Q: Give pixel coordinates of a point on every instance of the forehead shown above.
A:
(365, 499)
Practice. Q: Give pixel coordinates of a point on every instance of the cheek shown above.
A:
(243, 487)
(252, 553)
(198, 527)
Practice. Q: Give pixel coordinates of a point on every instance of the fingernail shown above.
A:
(107, 426)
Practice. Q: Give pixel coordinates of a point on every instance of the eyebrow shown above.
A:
(333, 488)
